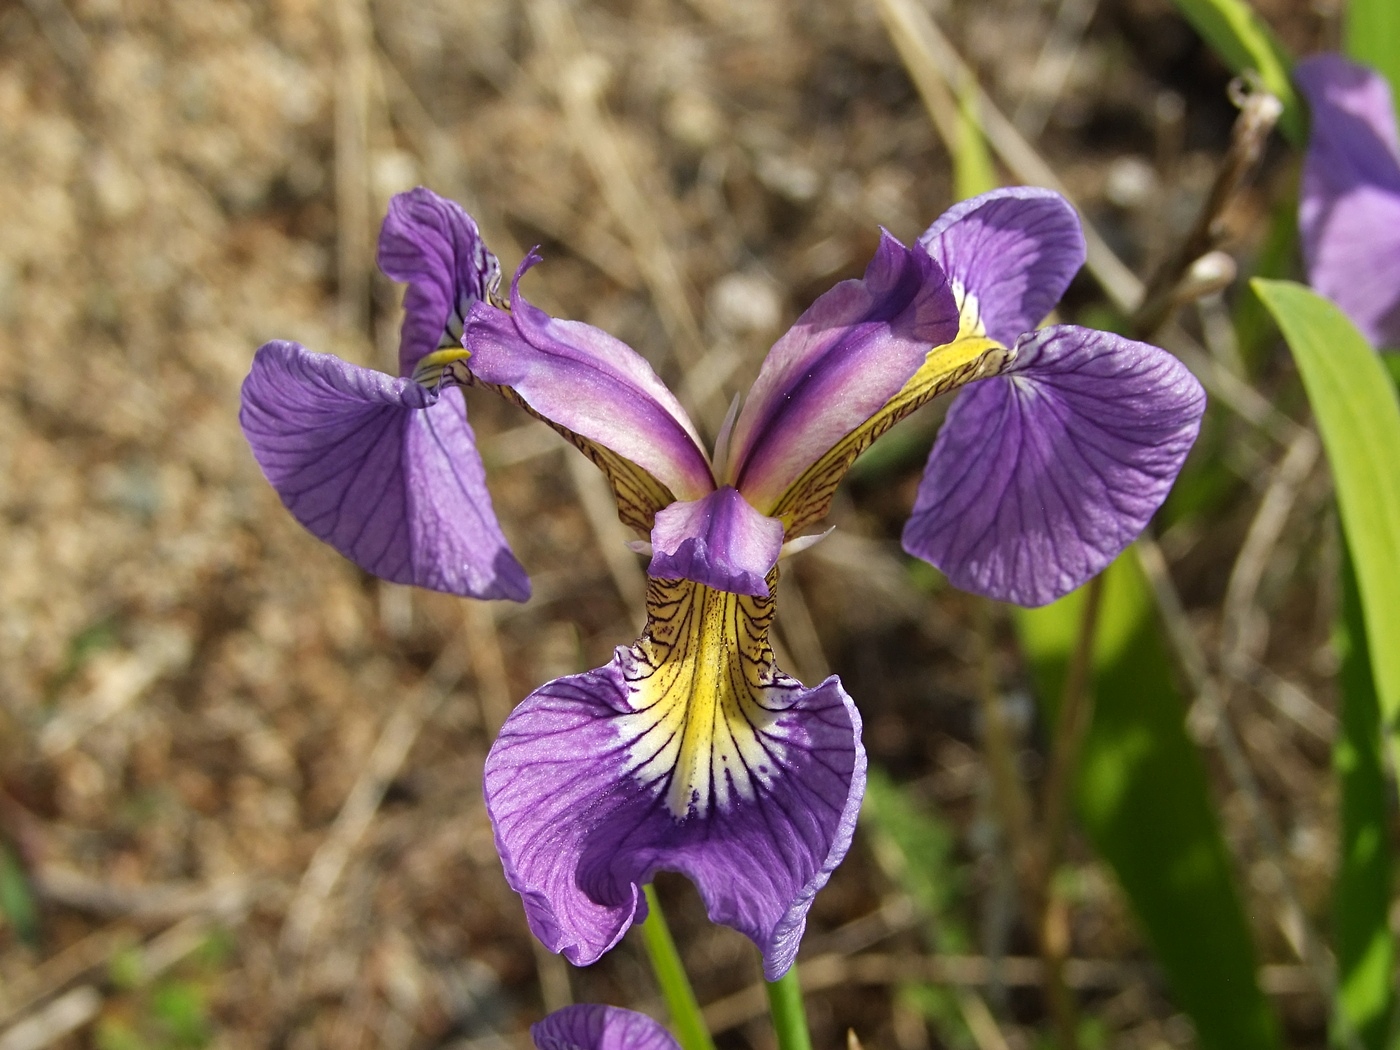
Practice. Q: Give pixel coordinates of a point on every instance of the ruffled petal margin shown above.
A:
(1043, 475)
(1349, 200)
(689, 752)
(1010, 254)
(719, 541)
(852, 351)
(434, 246)
(591, 1026)
(383, 469)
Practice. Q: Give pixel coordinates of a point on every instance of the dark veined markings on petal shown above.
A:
(639, 495)
(969, 357)
(706, 697)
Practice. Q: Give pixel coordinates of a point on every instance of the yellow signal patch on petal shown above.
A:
(971, 356)
(706, 696)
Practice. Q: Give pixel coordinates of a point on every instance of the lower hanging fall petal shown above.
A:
(691, 752)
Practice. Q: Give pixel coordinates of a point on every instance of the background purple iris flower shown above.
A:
(589, 1026)
(1349, 204)
(690, 751)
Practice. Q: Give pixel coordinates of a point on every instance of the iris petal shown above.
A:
(1349, 202)
(688, 752)
(849, 354)
(1041, 476)
(433, 246)
(599, 393)
(590, 1026)
(719, 541)
(383, 469)
(1010, 254)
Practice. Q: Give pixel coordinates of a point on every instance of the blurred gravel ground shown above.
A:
(190, 685)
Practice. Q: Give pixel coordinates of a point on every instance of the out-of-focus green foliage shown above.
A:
(1361, 898)
(973, 171)
(1254, 328)
(1144, 801)
(17, 903)
(917, 850)
(1244, 41)
(1373, 37)
(1358, 416)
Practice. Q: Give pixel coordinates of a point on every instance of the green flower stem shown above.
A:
(789, 1016)
(686, 1018)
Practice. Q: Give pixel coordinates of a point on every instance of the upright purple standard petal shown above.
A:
(1011, 254)
(845, 358)
(433, 246)
(689, 752)
(590, 1026)
(1042, 475)
(383, 469)
(719, 541)
(1349, 203)
(588, 383)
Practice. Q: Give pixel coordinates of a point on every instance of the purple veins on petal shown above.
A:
(1011, 254)
(1043, 475)
(688, 752)
(1349, 201)
(383, 469)
(433, 246)
(719, 541)
(590, 384)
(846, 356)
(591, 1026)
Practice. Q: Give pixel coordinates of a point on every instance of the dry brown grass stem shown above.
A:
(354, 219)
(579, 77)
(1246, 625)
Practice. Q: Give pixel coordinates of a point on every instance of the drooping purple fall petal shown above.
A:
(1011, 254)
(433, 246)
(1041, 476)
(591, 1026)
(591, 384)
(719, 541)
(689, 752)
(1349, 201)
(847, 355)
(383, 469)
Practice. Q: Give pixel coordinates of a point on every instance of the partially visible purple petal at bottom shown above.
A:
(590, 1026)
(599, 780)
(382, 469)
(1042, 475)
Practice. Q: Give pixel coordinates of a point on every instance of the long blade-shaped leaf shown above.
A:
(1373, 37)
(1361, 897)
(1244, 41)
(1358, 416)
(1144, 802)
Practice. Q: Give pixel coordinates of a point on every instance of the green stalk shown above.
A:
(789, 1016)
(686, 1018)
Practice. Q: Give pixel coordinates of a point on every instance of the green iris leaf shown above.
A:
(1358, 416)
(1144, 801)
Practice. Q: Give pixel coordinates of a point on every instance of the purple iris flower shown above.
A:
(690, 750)
(1349, 207)
(589, 1026)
